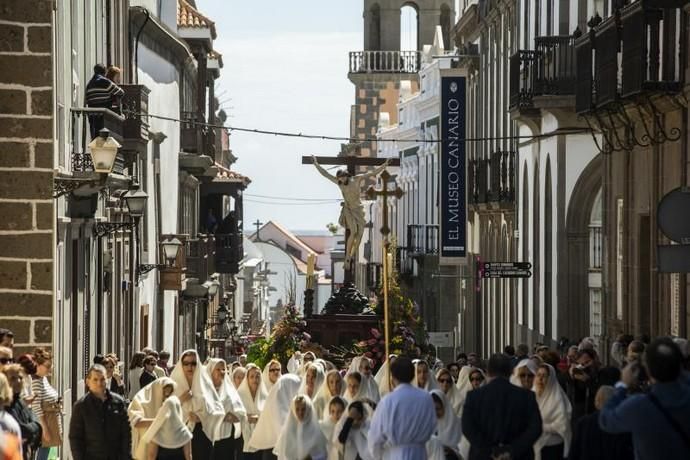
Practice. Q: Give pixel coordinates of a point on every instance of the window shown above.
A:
(409, 28)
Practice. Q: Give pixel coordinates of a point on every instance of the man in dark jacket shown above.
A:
(28, 423)
(100, 92)
(501, 420)
(658, 421)
(99, 428)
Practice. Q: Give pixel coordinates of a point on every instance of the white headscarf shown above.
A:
(454, 396)
(431, 384)
(327, 425)
(204, 401)
(370, 389)
(254, 405)
(448, 428)
(349, 397)
(145, 405)
(356, 443)
(383, 377)
(324, 395)
(529, 364)
(236, 371)
(294, 363)
(319, 379)
(266, 375)
(167, 430)
(230, 401)
(300, 439)
(556, 410)
(275, 412)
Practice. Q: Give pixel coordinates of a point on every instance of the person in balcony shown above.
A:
(100, 93)
(114, 74)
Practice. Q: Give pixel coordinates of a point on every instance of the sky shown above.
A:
(285, 69)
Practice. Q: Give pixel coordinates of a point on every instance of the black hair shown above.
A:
(509, 350)
(664, 360)
(357, 405)
(461, 356)
(499, 365)
(98, 359)
(436, 398)
(402, 369)
(450, 365)
(337, 400)
(6, 333)
(357, 376)
(99, 69)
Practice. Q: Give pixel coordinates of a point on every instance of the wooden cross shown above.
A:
(384, 193)
(258, 225)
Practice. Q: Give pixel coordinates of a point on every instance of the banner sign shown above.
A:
(453, 187)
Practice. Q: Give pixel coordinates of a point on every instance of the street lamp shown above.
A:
(136, 202)
(103, 152)
(212, 287)
(171, 247)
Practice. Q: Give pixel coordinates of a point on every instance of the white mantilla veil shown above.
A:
(301, 439)
(254, 405)
(145, 405)
(556, 411)
(203, 402)
(370, 389)
(275, 413)
(227, 398)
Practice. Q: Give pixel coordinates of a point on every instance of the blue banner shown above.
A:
(453, 186)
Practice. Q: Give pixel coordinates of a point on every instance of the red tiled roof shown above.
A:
(188, 16)
(228, 174)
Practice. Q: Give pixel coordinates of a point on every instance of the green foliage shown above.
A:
(288, 335)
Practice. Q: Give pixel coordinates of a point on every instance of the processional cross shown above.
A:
(348, 157)
(384, 193)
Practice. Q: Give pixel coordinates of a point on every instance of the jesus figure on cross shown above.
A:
(352, 213)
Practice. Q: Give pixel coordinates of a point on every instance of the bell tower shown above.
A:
(378, 70)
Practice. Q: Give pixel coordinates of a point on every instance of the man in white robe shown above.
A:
(404, 420)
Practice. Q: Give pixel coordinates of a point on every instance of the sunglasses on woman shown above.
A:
(444, 381)
(6, 360)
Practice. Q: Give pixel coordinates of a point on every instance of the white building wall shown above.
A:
(162, 79)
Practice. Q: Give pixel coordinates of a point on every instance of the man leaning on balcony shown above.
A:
(101, 92)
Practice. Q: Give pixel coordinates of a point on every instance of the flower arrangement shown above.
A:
(289, 335)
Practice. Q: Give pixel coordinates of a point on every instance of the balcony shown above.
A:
(631, 75)
(201, 253)
(80, 156)
(135, 128)
(363, 62)
(492, 180)
(229, 252)
(192, 132)
(422, 240)
(548, 70)
(404, 264)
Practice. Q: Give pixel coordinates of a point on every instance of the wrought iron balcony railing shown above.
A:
(548, 70)
(81, 117)
(422, 239)
(229, 252)
(201, 253)
(384, 61)
(492, 180)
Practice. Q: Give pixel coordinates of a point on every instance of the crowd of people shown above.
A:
(520, 404)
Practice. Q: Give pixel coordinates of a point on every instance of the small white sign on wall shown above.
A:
(441, 339)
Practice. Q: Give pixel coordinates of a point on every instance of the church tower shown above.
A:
(378, 70)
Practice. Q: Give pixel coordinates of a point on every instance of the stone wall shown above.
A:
(26, 172)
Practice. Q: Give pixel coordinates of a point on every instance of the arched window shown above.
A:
(595, 253)
(548, 254)
(525, 245)
(409, 27)
(536, 261)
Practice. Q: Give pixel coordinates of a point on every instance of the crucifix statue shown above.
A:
(350, 184)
